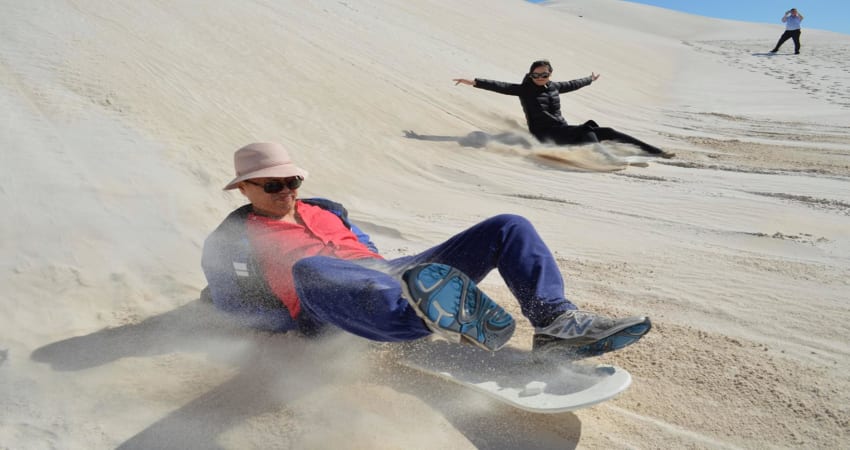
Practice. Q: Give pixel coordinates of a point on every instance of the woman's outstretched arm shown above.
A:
(491, 85)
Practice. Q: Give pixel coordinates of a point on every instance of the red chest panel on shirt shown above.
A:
(279, 245)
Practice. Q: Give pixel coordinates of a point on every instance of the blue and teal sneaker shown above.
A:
(580, 334)
(453, 307)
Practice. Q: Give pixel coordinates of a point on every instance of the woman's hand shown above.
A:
(463, 81)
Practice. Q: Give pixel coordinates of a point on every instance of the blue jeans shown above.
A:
(364, 297)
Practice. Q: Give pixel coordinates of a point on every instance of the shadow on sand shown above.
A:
(583, 158)
(500, 426)
(258, 388)
(768, 54)
(475, 139)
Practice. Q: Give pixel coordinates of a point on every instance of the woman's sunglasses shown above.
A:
(275, 186)
(539, 74)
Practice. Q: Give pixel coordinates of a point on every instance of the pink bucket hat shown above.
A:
(261, 160)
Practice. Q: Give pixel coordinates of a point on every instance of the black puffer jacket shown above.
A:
(541, 104)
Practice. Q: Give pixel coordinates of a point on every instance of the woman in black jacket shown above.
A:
(541, 102)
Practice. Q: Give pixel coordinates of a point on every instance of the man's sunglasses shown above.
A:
(539, 75)
(275, 186)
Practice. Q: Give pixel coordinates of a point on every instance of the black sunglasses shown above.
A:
(539, 74)
(275, 186)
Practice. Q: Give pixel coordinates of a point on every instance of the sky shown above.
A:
(832, 15)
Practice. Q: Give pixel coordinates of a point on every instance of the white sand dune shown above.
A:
(119, 123)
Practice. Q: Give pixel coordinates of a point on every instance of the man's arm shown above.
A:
(235, 284)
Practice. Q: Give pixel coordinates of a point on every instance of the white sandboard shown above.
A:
(511, 376)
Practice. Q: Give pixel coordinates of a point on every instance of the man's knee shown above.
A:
(310, 267)
(512, 221)
(304, 264)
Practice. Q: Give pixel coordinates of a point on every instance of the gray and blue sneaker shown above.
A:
(453, 307)
(580, 334)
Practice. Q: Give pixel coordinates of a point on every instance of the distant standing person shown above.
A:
(541, 103)
(791, 19)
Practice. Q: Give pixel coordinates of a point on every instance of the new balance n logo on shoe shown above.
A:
(575, 327)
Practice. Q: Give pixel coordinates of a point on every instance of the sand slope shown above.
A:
(119, 123)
